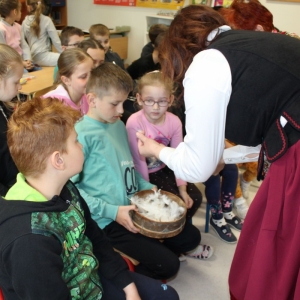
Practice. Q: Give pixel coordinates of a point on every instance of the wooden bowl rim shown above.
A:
(162, 222)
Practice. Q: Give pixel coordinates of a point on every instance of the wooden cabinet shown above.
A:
(59, 13)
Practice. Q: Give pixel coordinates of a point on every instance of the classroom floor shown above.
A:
(198, 279)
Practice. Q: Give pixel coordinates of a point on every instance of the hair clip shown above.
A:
(155, 71)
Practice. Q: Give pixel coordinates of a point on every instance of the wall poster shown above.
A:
(164, 4)
(116, 2)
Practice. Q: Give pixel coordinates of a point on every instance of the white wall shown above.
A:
(286, 15)
(83, 13)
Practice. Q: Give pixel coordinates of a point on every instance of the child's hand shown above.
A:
(131, 292)
(185, 196)
(27, 64)
(124, 219)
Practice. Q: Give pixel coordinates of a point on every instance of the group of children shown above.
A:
(35, 38)
(106, 181)
(62, 232)
(47, 233)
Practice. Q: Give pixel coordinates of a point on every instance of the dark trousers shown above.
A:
(148, 288)
(157, 259)
(165, 180)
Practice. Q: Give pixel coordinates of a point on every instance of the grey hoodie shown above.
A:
(47, 36)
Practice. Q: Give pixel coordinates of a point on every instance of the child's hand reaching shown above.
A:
(131, 292)
(185, 196)
(124, 219)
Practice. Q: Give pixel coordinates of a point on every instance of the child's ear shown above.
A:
(258, 27)
(139, 99)
(171, 100)
(65, 80)
(57, 161)
(91, 99)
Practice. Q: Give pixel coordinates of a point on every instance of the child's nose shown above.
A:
(120, 110)
(155, 105)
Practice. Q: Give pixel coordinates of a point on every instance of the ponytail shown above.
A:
(37, 9)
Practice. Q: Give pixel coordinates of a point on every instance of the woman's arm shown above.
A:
(207, 86)
(207, 89)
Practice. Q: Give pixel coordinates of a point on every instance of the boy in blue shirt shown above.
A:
(50, 247)
(109, 179)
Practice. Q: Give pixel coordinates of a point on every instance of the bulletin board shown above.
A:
(225, 3)
(116, 2)
(164, 4)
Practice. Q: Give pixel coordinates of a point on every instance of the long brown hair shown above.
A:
(6, 6)
(187, 35)
(37, 9)
(246, 15)
(68, 61)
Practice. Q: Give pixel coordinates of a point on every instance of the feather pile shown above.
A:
(158, 207)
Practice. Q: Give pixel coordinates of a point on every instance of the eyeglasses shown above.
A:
(160, 103)
(74, 45)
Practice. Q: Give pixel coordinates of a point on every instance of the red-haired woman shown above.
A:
(243, 86)
(248, 15)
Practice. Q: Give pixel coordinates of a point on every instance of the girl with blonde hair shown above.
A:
(11, 70)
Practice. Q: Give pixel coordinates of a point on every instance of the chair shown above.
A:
(131, 262)
(130, 265)
(44, 91)
(207, 215)
(1, 295)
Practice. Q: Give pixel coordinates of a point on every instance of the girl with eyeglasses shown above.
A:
(155, 96)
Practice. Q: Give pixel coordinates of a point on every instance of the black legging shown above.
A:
(157, 260)
(148, 288)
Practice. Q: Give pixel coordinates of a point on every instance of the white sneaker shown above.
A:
(244, 186)
(241, 207)
(201, 252)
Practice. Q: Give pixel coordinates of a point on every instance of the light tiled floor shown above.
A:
(208, 279)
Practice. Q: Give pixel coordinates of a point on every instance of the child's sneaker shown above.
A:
(234, 221)
(223, 230)
(241, 207)
(244, 186)
(201, 252)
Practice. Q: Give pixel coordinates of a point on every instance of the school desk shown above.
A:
(43, 79)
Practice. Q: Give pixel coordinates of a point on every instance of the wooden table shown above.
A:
(43, 79)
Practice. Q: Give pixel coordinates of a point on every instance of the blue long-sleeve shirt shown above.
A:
(108, 177)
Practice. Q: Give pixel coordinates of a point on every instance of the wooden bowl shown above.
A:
(158, 229)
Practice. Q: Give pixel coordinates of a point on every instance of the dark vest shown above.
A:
(265, 70)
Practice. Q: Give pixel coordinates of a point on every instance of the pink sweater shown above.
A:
(61, 94)
(169, 134)
(11, 35)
